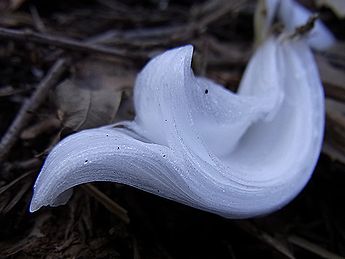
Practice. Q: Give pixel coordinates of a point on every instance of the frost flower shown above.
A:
(194, 142)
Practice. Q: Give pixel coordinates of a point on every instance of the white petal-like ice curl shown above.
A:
(194, 142)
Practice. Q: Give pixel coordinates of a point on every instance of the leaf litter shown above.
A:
(92, 96)
(161, 229)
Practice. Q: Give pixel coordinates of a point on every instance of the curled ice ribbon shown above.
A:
(197, 143)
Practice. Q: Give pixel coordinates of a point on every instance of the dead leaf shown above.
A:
(337, 6)
(92, 96)
(126, 109)
(48, 125)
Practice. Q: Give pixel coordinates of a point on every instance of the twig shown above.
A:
(29, 107)
(307, 245)
(9, 90)
(17, 197)
(224, 8)
(151, 37)
(31, 163)
(335, 92)
(136, 254)
(65, 43)
(39, 24)
(270, 240)
(200, 25)
(108, 203)
(8, 186)
(307, 27)
(142, 34)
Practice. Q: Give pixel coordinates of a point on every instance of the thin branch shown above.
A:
(224, 8)
(9, 185)
(314, 248)
(108, 203)
(17, 197)
(65, 43)
(30, 107)
(307, 27)
(141, 34)
(270, 240)
(151, 37)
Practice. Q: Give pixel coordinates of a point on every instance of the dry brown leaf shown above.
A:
(92, 96)
(40, 127)
(337, 6)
